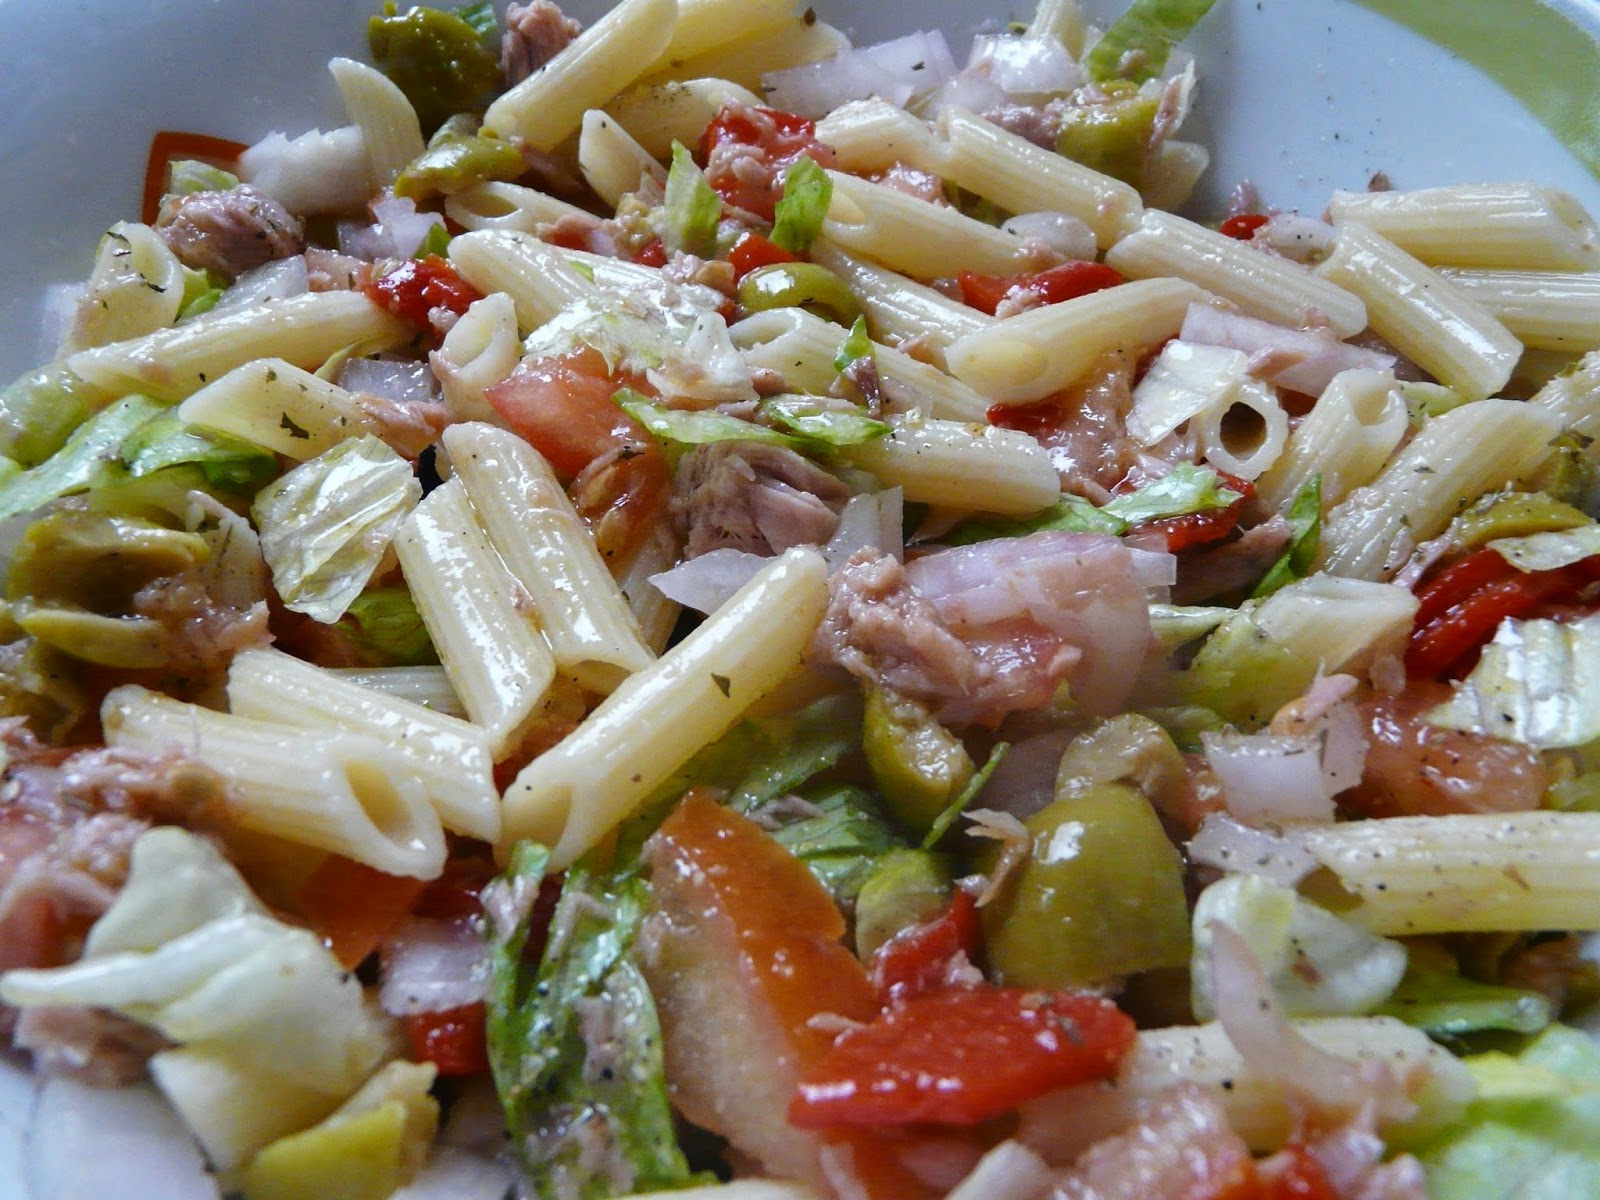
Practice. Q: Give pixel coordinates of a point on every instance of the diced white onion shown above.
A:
(1231, 845)
(1025, 67)
(1271, 779)
(971, 90)
(431, 966)
(870, 519)
(392, 379)
(1025, 780)
(281, 279)
(705, 583)
(316, 173)
(1066, 235)
(896, 70)
(1303, 239)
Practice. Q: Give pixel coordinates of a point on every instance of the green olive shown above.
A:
(918, 764)
(95, 562)
(1516, 514)
(1101, 896)
(906, 887)
(1112, 137)
(129, 642)
(799, 285)
(453, 163)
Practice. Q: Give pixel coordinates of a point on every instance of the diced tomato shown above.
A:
(563, 407)
(1244, 226)
(652, 254)
(1458, 630)
(1295, 1174)
(752, 251)
(1452, 584)
(418, 286)
(1066, 282)
(779, 138)
(960, 1055)
(917, 960)
(353, 907)
(452, 1040)
(458, 892)
(1202, 528)
(171, 145)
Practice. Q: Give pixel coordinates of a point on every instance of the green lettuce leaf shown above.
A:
(941, 823)
(386, 627)
(1436, 998)
(1137, 43)
(228, 463)
(841, 845)
(857, 344)
(1305, 534)
(1548, 551)
(688, 216)
(1070, 514)
(326, 524)
(823, 425)
(91, 456)
(694, 428)
(1185, 490)
(188, 175)
(807, 192)
(1534, 684)
(1243, 675)
(40, 409)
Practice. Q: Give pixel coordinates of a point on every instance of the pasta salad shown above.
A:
(684, 606)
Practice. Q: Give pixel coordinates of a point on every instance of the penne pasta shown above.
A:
(1573, 399)
(658, 114)
(480, 350)
(965, 466)
(705, 26)
(1348, 435)
(571, 796)
(798, 40)
(135, 288)
(874, 135)
(1545, 310)
(1434, 323)
(537, 276)
(508, 206)
(611, 161)
(390, 132)
(427, 686)
(1341, 625)
(900, 309)
(657, 616)
(546, 547)
(477, 616)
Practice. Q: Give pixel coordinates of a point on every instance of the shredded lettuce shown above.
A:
(1177, 625)
(857, 344)
(91, 456)
(1436, 998)
(1548, 551)
(1242, 675)
(842, 843)
(1533, 685)
(228, 463)
(1305, 534)
(1070, 514)
(558, 1103)
(684, 427)
(387, 629)
(326, 525)
(807, 192)
(941, 823)
(688, 216)
(40, 410)
(1186, 489)
(188, 175)
(821, 423)
(1137, 43)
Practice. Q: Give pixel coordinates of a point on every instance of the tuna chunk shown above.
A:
(756, 498)
(229, 232)
(535, 33)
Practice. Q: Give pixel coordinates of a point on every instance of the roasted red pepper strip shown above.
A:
(753, 251)
(1066, 282)
(452, 1040)
(1244, 226)
(419, 285)
(1201, 528)
(960, 1055)
(917, 960)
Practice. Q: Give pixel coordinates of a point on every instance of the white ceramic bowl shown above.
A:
(1297, 96)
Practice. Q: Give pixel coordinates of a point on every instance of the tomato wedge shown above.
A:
(418, 286)
(453, 1040)
(1244, 226)
(960, 1055)
(1066, 282)
(917, 960)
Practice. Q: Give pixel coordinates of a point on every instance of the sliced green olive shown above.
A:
(799, 285)
(128, 642)
(1101, 896)
(906, 887)
(94, 562)
(1113, 136)
(918, 764)
(452, 164)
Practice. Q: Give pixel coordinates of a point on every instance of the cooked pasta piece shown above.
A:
(1433, 322)
(873, 135)
(1456, 458)
(658, 114)
(536, 275)
(427, 686)
(449, 756)
(1021, 177)
(1062, 20)
(801, 348)
(1259, 284)
(341, 792)
(744, 60)
(962, 465)
(657, 616)
(910, 235)
(1510, 225)
(278, 405)
(704, 26)
(548, 105)
(570, 796)
(611, 161)
(1547, 310)
(170, 364)
(1029, 356)
(480, 350)
(1246, 435)
(390, 132)
(477, 616)
(1346, 438)
(1479, 872)
(134, 288)
(1573, 398)
(508, 206)
(900, 309)
(548, 550)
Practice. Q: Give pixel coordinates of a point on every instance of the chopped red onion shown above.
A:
(397, 230)
(1153, 568)
(1296, 359)
(1231, 845)
(432, 966)
(706, 583)
(1025, 780)
(87, 1142)
(896, 70)
(1025, 66)
(870, 519)
(278, 280)
(1271, 779)
(1066, 235)
(403, 381)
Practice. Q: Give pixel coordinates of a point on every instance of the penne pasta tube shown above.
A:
(1022, 177)
(477, 616)
(389, 128)
(909, 235)
(340, 792)
(427, 686)
(1483, 872)
(900, 309)
(1062, 20)
(1519, 226)
(536, 275)
(873, 135)
(959, 464)
(170, 364)
(1342, 625)
(1258, 284)
(548, 105)
(1546, 310)
(1346, 438)
(657, 616)
(1434, 323)
(480, 350)
(570, 796)
(1245, 436)
(508, 206)
(1457, 457)
(548, 550)
(1573, 399)
(135, 288)
(801, 347)
(658, 114)
(611, 161)
(1029, 356)
(796, 42)
(278, 405)
(704, 26)
(448, 756)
